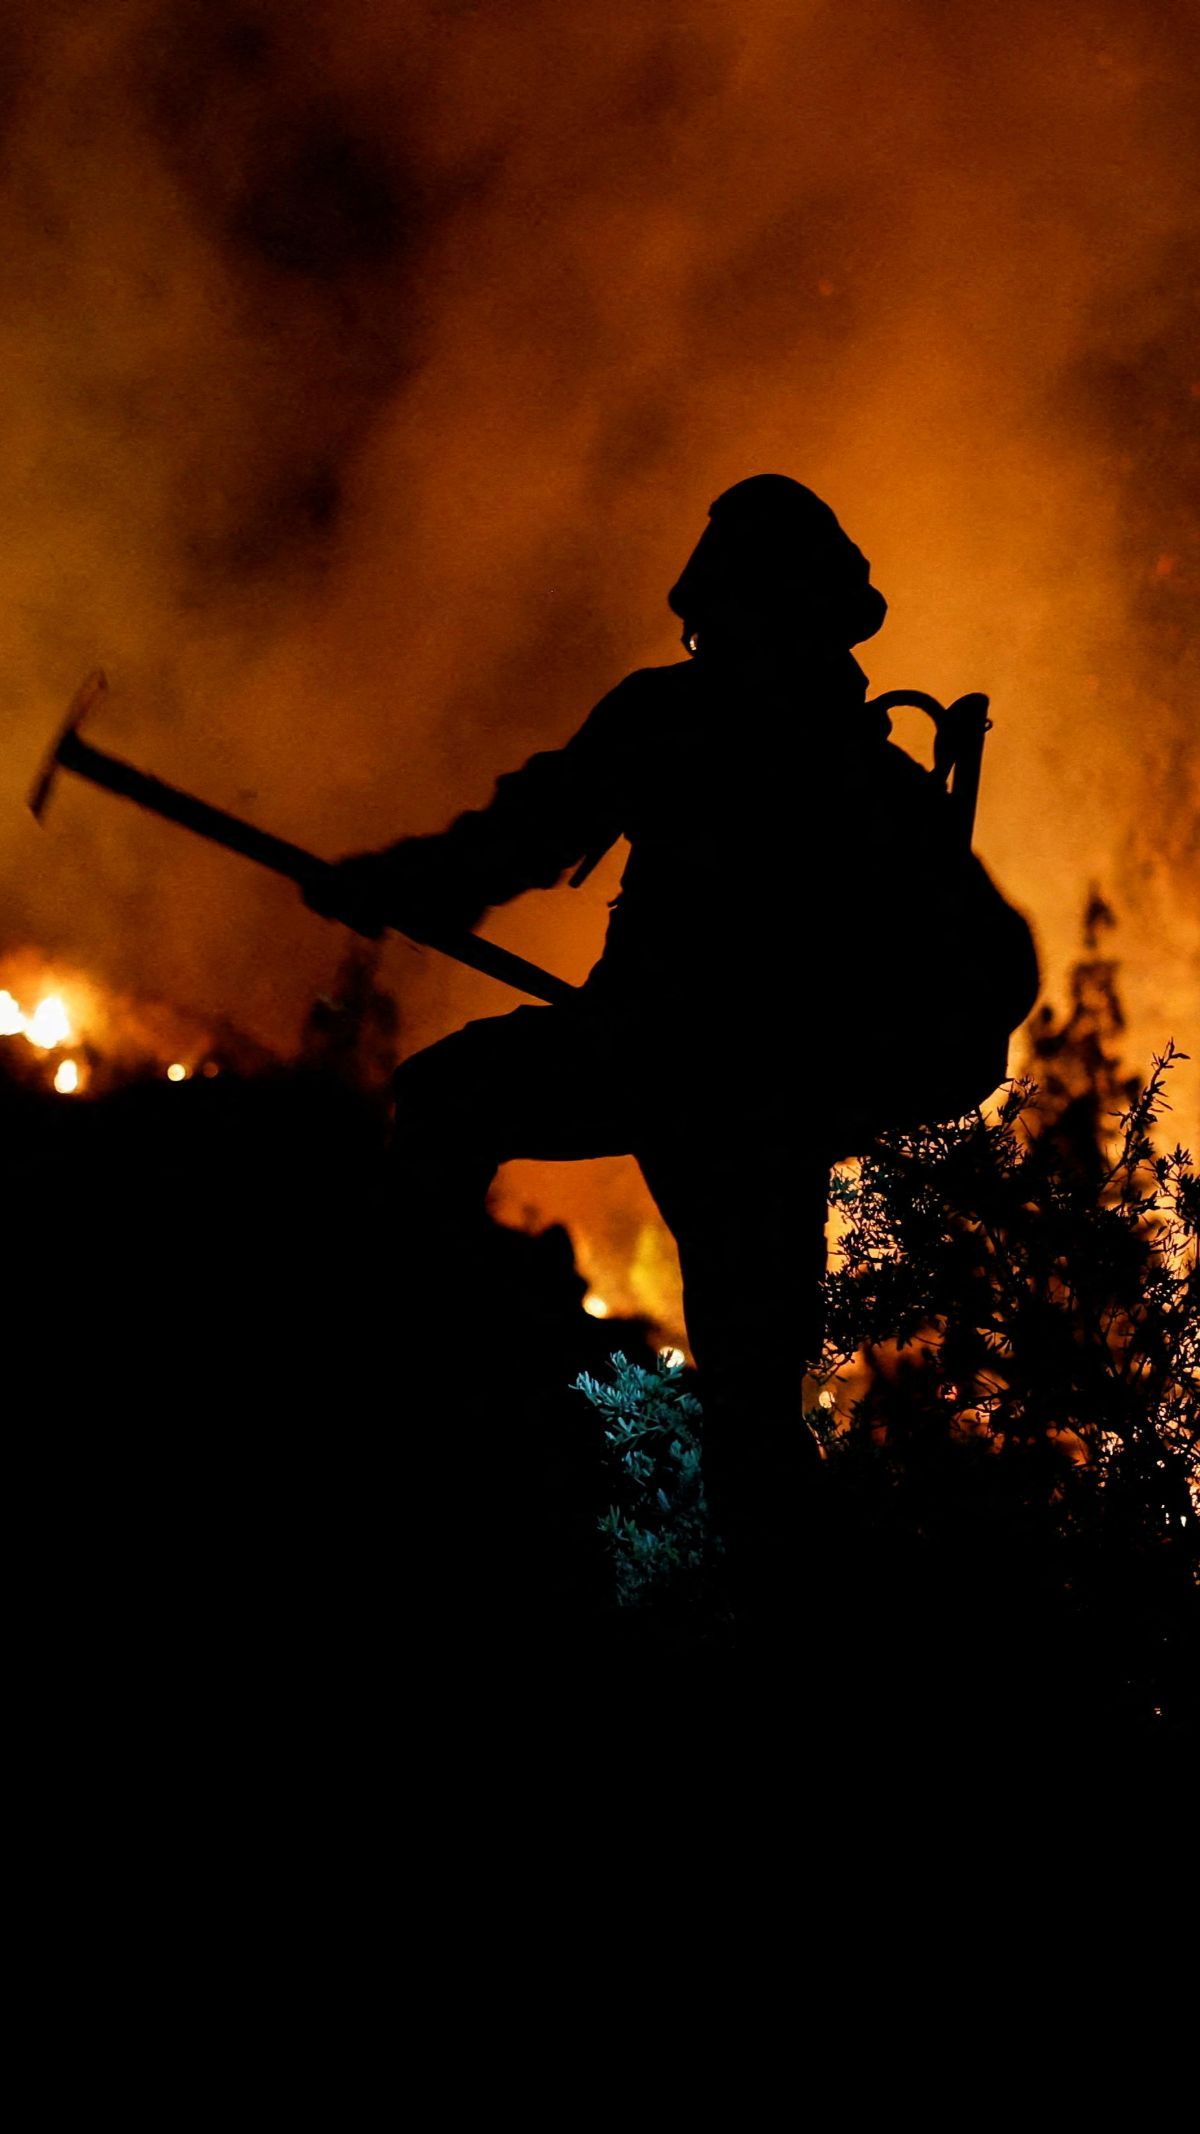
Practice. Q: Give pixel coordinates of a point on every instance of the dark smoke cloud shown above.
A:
(369, 371)
(322, 218)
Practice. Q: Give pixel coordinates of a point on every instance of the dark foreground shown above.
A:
(256, 1509)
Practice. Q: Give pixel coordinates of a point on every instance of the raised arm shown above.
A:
(561, 806)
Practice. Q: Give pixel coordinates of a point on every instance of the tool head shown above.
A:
(86, 696)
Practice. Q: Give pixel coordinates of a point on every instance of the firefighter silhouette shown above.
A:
(773, 980)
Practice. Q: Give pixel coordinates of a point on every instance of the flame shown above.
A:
(66, 1078)
(55, 1007)
(595, 1306)
(49, 1025)
(47, 1028)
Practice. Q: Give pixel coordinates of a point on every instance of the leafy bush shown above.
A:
(658, 1533)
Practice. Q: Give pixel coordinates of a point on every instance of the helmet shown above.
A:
(772, 546)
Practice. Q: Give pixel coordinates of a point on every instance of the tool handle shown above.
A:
(292, 861)
(160, 798)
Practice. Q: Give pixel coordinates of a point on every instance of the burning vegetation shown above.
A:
(61, 1031)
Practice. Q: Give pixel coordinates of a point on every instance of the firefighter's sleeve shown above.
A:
(560, 807)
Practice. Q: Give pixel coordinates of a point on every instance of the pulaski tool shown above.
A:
(958, 749)
(72, 753)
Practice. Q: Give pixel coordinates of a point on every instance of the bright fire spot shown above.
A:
(177, 1072)
(49, 1025)
(595, 1306)
(66, 1078)
(670, 1358)
(12, 1022)
(825, 1399)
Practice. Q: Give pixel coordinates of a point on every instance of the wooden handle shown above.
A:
(292, 861)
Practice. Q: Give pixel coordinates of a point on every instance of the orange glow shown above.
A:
(369, 372)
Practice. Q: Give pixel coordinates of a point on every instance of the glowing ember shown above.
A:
(177, 1072)
(66, 1078)
(595, 1306)
(671, 1359)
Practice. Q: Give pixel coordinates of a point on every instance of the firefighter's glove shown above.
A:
(353, 891)
(405, 887)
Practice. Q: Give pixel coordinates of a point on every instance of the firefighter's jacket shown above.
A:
(789, 870)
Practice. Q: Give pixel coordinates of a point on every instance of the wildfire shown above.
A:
(111, 1036)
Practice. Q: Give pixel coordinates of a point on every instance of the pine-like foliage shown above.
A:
(1013, 1383)
(1029, 1277)
(1004, 1291)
